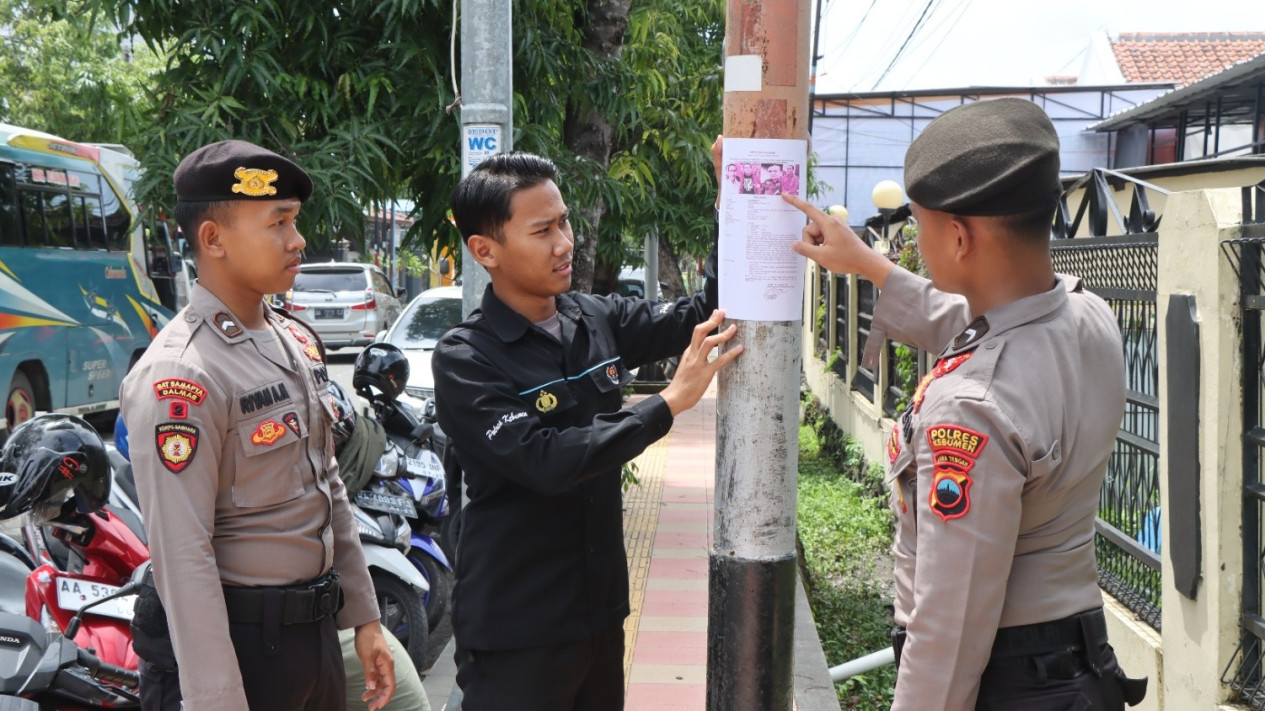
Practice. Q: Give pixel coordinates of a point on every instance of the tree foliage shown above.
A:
(356, 92)
(71, 78)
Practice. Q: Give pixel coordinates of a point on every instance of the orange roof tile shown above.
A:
(1182, 57)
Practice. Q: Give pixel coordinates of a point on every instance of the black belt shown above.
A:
(1068, 634)
(294, 604)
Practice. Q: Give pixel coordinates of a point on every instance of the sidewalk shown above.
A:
(667, 533)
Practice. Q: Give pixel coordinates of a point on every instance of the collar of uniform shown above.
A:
(1016, 313)
(509, 325)
(206, 306)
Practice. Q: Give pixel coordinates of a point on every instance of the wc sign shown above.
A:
(479, 142)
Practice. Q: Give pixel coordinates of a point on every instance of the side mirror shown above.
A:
(177, 263)
(445, 266)
(400, 292)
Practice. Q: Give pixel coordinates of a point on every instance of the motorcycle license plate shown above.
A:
(73, 594)
(388, 503)
(427, 465)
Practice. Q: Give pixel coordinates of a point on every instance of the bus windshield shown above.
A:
(77, 307)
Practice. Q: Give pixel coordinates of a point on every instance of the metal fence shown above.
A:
(1245, 673)
(1122, 270)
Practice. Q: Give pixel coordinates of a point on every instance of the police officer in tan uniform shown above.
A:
(256, 556)
(996, 464)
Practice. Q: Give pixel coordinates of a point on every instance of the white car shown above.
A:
(419, 328)
(345, 302)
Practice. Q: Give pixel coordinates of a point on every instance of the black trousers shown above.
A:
(1059, 681)
(296, 667)
(586, 675)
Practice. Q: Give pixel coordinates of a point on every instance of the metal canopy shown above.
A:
(1231, 95)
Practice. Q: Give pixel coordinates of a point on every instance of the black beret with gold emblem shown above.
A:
(998, 157)
(238, 170)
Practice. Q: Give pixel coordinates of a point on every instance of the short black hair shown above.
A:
(1035, 224)
(191, 214)
(481, 201)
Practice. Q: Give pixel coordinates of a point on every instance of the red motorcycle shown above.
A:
(85, 558)
(55, 470)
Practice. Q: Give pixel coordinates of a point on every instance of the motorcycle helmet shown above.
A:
(380, 366)
(49, 459)
(344, 413)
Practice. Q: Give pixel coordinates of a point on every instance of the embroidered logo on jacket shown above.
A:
(179, 410)
(255, 182)
(546, 401)
(292, 421)
(612, 372)
(181, 389)
(263, 397)
(268, 432)
(311, 351)
(954, 451)
(177, 443)
(298, 334)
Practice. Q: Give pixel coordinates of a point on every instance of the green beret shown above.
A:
(998, 157)
(237, 170)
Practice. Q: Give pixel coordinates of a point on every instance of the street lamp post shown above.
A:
(887, 197)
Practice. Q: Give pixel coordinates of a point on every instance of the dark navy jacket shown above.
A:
(539, 432)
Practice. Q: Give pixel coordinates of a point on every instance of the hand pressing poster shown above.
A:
(761, 279)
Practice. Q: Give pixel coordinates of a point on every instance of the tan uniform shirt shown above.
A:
(230, 440)
(995, 473)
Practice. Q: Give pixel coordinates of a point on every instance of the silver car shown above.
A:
(347, 303)
(419, 328)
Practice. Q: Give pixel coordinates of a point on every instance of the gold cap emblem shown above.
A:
(546, 401)
(255, 182)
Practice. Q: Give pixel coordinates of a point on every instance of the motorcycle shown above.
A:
(414, 450)
(78, 583)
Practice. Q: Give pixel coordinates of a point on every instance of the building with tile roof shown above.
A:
(1182, 57)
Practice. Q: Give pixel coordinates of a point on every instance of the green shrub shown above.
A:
(845, 529)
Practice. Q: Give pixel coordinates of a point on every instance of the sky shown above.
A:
(993, 42)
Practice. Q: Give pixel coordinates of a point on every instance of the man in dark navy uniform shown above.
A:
(529, 390)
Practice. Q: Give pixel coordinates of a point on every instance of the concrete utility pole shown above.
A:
(751, 605)
(487, 101)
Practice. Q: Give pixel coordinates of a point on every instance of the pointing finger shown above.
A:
(814, 213)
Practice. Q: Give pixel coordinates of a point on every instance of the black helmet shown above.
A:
(344, 413)
(380, 366)
(49, 458)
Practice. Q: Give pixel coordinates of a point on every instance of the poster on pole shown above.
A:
(479, 141)
(761, 279)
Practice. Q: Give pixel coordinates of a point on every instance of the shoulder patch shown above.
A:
(180, 389)
(224, 321)
(954, 451)
(177, 443)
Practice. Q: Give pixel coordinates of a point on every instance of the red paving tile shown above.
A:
(669, 514)
(669, 655)
(678, 567)
(674, 539)
(676, 596)
(674, 609)
(665, 697)
(672, 639)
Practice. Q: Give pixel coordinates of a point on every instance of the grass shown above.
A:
(845, 527)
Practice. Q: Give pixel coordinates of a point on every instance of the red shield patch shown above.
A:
(954, 451)
(298, 335)
(177, 443)
(311, 351)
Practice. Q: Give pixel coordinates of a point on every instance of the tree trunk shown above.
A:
(670, 271)
(587, 133)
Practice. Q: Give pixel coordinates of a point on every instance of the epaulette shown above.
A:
(304, 325)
